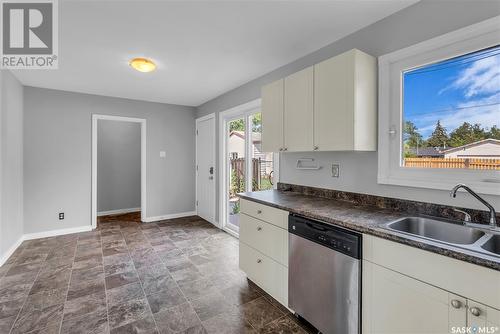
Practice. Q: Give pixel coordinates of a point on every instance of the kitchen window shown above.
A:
(439, 111)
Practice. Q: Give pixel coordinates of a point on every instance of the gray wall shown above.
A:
(414, 24)
(11, 161)
(57, 156)
(118, 165)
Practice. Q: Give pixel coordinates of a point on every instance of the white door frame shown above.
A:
(142, 122)
(198, 120)
(243, 110)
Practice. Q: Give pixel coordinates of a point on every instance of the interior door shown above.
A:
(205, 168)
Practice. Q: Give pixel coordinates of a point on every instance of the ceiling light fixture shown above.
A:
(142, 64)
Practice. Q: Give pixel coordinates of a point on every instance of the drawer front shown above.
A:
(268, 274)
(266, 213)
(266, 238)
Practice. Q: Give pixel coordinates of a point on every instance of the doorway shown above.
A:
(116, 158)
(244, 166)
(205, 168)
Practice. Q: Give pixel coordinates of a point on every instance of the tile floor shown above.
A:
(176, 276)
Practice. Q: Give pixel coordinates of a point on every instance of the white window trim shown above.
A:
(469, 39)
(244, 110)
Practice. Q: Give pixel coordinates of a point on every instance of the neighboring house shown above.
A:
(427, 152)
(236, 148)
(483, 149)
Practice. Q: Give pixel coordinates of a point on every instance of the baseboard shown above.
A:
(54, 233)
(38, 235)
(117, 212)
(11, 250)
(170, 216)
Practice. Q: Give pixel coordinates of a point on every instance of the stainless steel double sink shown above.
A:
(477, 239)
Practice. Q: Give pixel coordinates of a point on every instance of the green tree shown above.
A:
(466, 134)
(257, 122)
(494, 133)
(411, 136)
(439, 137)
(237, 125)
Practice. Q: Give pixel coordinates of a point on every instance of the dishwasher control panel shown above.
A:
(339, 239)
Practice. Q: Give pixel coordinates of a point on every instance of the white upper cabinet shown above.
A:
(345, 111)
(330, 106)
(298, 116)
(272, 116)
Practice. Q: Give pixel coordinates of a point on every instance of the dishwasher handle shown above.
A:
(316, 227)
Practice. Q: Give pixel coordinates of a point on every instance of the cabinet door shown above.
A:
(268, 274)
(299, 111)
(480, 315)
(272, 116)
(333, 103)
(457, 312)
(395, 303)
(266, 238)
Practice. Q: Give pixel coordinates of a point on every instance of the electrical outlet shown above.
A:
(335, 170)
(61, 215)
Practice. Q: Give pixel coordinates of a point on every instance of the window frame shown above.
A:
(391, 67)
(244, 110)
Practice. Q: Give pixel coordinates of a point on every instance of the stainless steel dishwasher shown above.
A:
(324, 280)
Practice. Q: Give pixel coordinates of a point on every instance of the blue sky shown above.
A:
(462, 89)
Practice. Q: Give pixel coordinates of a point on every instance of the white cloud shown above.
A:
(480, 86)
(481, 77)
(485, 115)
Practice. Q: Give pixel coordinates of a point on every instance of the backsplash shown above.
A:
(410, 207)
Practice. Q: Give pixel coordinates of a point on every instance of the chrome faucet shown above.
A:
(493, 215)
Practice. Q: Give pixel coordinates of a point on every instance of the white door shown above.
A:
(205, 168)
(244, 165)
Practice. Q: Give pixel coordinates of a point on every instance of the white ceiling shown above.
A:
(202, 48)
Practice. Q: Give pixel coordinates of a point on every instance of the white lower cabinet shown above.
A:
(264, 237)
(268, 274)
(480, 315)
(264, 248)
(408, 290)
(395, 303)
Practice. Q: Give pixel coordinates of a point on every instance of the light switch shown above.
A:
(335, 170)
(163, 154)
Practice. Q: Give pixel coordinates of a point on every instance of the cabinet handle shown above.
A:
(475, 311)
(259, 228)
(259, 212)
(316, 148)
(259, 260)
(456, 303)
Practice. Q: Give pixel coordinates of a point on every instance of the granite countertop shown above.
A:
(364, 219)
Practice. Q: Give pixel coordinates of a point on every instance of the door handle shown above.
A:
(211, 170)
